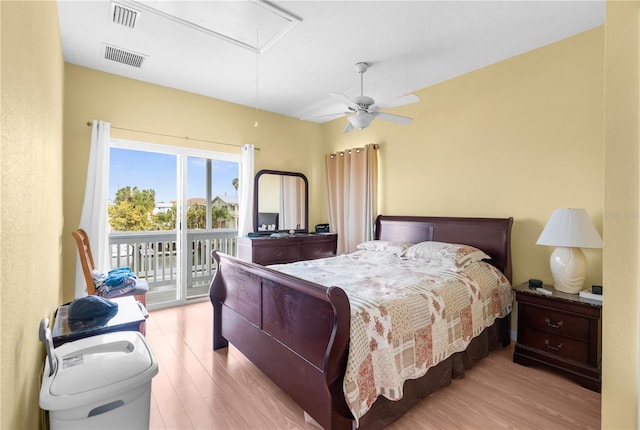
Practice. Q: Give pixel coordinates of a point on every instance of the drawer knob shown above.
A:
(552, 325)
(278, 253)
(552, 347)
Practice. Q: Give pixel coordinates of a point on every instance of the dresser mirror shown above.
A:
(281, 202)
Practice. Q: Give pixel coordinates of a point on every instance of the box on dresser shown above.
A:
(562, 331)
(289, 249)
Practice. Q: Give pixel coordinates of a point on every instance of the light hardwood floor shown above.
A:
(202, 389)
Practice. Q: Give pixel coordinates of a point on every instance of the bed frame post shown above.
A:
(336, 358)
(217, 295)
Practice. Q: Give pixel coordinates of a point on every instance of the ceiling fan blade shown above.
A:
(393, 118)
(348, 128)
(398, 101)
(327, 115)
(345, 99)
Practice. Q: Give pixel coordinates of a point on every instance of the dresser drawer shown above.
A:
(276, 254)
(550, 343)
(556, 322)
(317, 249)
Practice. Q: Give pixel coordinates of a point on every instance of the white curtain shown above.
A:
(352, 185)
(245, 221)
(291, 202)
(94, 208)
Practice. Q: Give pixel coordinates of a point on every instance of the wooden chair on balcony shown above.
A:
(86, 260)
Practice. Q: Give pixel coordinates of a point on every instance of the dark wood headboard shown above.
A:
(491, 235)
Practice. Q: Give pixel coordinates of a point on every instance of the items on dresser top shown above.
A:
(323, 228)
(562, 331)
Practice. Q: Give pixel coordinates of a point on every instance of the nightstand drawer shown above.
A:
(553, 344)
(555, 322)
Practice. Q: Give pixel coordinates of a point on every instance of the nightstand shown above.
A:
(561, 331)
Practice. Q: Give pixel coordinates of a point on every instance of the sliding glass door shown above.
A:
(168, 208)
(211, 217)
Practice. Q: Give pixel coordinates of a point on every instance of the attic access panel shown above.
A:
(254, 25)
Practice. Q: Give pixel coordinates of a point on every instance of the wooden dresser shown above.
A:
(278, 250)
(562, 331)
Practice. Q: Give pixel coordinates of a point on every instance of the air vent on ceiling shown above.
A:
(123, 15)
(120, 55)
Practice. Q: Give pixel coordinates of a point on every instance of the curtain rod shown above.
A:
(341, 153)
(89, 124)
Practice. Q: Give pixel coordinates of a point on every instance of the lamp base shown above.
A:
(569, 269)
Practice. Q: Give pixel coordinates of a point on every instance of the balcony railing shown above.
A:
(152, 255)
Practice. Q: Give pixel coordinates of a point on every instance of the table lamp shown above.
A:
(569, 230)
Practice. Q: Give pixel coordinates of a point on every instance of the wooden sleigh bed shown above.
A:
(298, 332)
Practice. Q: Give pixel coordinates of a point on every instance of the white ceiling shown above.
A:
(409, 45)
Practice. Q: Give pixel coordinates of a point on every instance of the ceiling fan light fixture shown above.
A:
(361, 119)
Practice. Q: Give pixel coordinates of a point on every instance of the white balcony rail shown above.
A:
(200, 243)
(152, 255)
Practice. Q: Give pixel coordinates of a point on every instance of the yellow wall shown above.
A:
(518, 138)
(622, 110)
(285, 143)
(518, 128)
(31, 194)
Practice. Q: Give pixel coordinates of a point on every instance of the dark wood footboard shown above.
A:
(295, 331)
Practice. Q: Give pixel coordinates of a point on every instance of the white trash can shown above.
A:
(100, 382)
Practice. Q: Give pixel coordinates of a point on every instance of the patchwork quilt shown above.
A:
(407, 315)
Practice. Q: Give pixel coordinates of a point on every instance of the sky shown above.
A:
(149, 170)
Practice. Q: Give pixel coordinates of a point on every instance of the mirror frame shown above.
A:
(256, 193)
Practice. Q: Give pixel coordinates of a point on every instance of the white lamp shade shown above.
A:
(570, 228)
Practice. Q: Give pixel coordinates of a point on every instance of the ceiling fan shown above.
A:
(364, 110)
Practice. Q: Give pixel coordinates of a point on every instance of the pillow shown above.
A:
(386, 246)
(451, 255)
